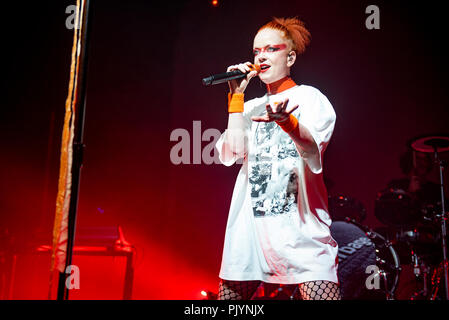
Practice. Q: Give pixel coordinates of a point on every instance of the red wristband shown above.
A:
(235, 102)
(289, 124)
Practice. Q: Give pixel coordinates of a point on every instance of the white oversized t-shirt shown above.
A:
(278, 224)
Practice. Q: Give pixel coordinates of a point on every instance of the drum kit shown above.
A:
(406, 259)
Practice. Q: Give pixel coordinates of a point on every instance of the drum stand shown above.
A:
(436, 279)
(436, 145)
(420, 269)
(442, 217)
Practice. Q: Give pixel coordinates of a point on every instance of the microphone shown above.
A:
(227, 76)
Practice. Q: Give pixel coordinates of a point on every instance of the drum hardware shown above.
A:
(435, 281)
(420, 269)
(419, 228)
(388, 293)
(436, 145)
(416, 266)
(396, 268)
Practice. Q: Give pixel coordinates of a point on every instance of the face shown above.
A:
(422, 163)
(271, 52)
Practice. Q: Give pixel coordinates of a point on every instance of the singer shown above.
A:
(278, 223)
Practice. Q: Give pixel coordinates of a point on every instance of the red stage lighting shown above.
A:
(214, 3)
(208, 295)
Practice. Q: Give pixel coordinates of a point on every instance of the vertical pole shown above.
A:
(443, 228)
(78, 146)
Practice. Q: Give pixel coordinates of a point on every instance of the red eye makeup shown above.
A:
(270, 48)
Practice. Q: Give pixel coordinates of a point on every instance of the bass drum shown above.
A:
(368, 267)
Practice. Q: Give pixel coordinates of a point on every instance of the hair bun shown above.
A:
(294, 30)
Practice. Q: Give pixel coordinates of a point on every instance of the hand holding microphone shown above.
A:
(237, 76)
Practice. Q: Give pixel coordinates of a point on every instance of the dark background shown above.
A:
(146, 62)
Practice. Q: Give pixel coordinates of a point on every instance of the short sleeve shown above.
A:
(318, 116)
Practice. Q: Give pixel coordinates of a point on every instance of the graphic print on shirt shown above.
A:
(273, 174)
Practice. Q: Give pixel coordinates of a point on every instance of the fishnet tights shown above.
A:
(319, 290)
(237, 290)
(312, 290)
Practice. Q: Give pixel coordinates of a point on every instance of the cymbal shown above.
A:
(429, 144)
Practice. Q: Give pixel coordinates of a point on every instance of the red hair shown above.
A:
(294, 31)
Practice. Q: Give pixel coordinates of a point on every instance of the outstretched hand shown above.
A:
(280, 113)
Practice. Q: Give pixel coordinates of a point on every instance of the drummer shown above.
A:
(416, 166)
(418, 246)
